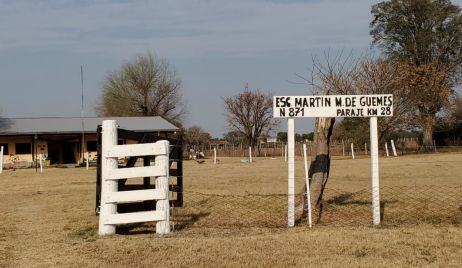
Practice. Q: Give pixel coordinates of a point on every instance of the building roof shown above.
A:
(70, 125)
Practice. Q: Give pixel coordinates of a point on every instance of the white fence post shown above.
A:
(163, 227)
(375, 171)
(285, 152)
(214, 155)
(386, 149)
(307, 181)
(291, 172)
(393, 148)
(41, 163)
(109, 139)
(87, 155)
(250, 155)
(352, 151)
(343, 148)
(365, 148)
(1, 159)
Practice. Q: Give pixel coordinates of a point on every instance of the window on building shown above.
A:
(5, 148)
(23, 148)
(91, 146)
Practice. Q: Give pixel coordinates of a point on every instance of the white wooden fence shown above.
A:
(110, 174)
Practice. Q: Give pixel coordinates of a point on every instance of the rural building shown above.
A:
(60, 140)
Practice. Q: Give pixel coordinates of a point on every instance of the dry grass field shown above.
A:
(48, 220)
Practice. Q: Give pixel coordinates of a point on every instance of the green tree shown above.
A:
(427, 36)
(282, 136)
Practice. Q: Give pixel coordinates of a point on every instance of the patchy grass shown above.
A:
(48, 220)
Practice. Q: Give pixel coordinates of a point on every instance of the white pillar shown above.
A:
(352, 151)
(386, 149)
(285, 152)
(250, 154)
(87, 155)
(291, 172)
(214, 155)
(41, 163)
(375, 171)
(1, 159)
(163, 227)
(365, 148)
(109, 139)
(393, 148)
(307, 181)
(343, 148)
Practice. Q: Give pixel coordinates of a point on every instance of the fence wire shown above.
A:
(399, 206)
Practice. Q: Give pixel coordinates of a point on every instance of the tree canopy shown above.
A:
(145, 86)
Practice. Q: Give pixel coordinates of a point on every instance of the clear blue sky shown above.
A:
(216, 46)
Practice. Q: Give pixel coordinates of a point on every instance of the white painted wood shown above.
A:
(386, 149)
(333, 106)
(343, 148)
(87, 156)
(109, 139)
(250, 155)
(285, 152)
(375, 171)
(1, 159)
(393, 148)
(291, 172)
(214, 155)
(136, 172)
(127, 150)
(163, 226)
(352, 151)
(135, 196)
(365, 148)
(307, 181)
(41, 162)
(134, 217)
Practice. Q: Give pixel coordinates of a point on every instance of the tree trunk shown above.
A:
(320, 162)
(427, 127)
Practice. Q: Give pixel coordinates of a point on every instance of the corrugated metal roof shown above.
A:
(49, 125)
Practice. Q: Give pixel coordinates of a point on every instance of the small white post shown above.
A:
(307, 181)
(1, 159)
(163, 227)
(352, 151)
(87, 155)
(109, 139)
(214, 155)
(365, 148)
(386, 149)
(41, 163)
(375, 171)
(285, 152)
(291, 172)
(393, 148)
(343, 148)
(250, 154)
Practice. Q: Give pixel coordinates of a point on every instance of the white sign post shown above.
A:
(333, 106)
(1, 159)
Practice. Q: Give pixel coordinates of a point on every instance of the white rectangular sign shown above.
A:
(333, 106)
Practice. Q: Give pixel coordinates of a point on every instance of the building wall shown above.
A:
(12, 155)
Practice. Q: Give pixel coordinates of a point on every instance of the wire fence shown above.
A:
(399, 206)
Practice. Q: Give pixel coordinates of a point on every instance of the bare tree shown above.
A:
(331, 76)
(146, 86)
(250, 113)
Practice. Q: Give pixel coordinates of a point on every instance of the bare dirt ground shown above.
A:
(48, 220)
